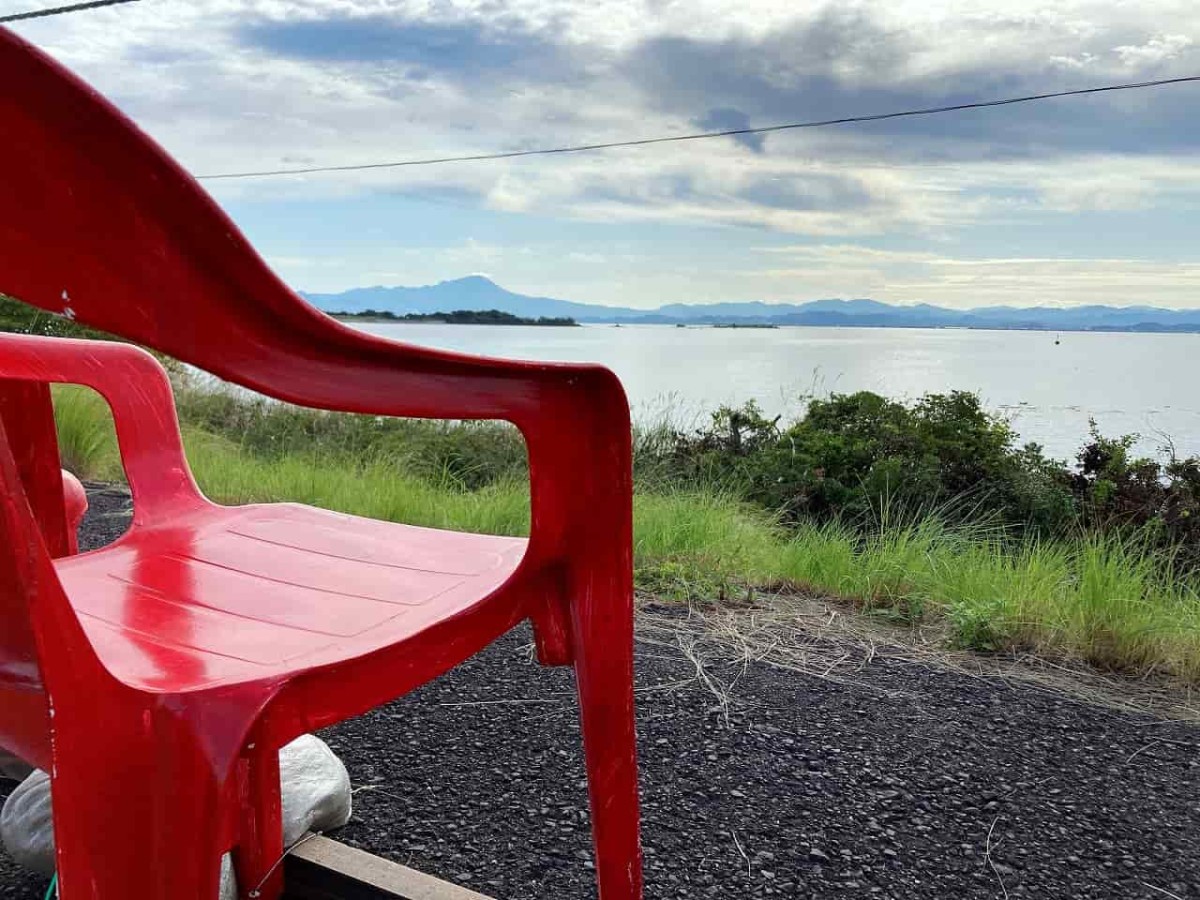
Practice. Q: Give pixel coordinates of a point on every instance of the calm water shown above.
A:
(1127, 382)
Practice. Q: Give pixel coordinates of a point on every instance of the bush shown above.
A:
(1121, 492)
(870, 462)
(853, 455)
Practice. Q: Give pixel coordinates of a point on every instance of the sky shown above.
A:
(1064, 202)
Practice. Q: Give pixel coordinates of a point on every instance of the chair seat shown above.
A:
(234, 594)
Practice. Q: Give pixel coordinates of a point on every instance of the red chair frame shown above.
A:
(150, 786)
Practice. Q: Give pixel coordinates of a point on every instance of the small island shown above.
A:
(457, 317)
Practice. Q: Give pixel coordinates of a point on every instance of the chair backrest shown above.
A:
(101, 225)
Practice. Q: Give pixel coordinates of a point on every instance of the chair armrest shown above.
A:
(574, 417)
(580, 456)
(137, 390)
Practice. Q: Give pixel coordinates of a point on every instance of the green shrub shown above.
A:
(852, 454)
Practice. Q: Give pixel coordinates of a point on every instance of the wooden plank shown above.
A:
(321, 869)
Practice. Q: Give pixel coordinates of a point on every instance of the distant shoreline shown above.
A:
(495, 317)
(1101, 329)
(457, 317)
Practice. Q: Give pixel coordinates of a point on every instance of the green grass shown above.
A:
(87, 442)
(1108, 600)
(230, 474)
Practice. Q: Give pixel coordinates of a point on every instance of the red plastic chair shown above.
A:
(157, 678)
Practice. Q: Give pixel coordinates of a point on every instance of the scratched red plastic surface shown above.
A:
(157, 678)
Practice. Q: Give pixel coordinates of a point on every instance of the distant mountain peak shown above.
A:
(472, 279)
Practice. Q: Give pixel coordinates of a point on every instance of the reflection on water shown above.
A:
(1127, 382)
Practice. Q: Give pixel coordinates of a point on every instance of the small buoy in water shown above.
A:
(1057, 340)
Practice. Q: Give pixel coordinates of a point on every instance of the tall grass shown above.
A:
(1110, 600)
(87, 440)
(231, 474)
(699, 544)
(471, 454)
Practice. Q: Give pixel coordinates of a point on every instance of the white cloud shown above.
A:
(1154, 51)
(1076, 63)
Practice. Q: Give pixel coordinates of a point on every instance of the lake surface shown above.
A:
(1128, 382)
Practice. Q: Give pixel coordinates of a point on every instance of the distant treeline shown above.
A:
(457, 317)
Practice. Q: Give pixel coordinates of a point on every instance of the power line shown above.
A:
(734, 132)
(61, 10)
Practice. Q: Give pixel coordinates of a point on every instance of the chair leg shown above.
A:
(143, 823)
(260, 844)
(603, 645)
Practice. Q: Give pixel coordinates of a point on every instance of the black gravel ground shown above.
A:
(911, 782)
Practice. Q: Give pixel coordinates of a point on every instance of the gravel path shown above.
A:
(910, 782)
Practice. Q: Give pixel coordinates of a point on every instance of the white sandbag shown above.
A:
(316, 797)
(228, 890)
(26, 824)
(316, 788)
(27, 828)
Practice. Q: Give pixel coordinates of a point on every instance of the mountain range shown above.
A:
(479, 293)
